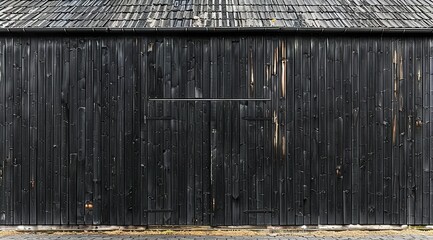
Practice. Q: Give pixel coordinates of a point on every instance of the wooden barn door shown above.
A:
(210, 136)
(178, 162)
(241, 168)
(209, 162)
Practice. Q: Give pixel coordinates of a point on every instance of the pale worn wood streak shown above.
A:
(339, 131)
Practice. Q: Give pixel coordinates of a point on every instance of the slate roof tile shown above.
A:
(217, 13)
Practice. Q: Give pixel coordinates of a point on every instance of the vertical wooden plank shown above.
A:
(299, 163)
(395, 131)
(183, 121)
(219, 168)
(89, 121)
(136, 143)
(198, 134)
(120, 122)
(105, 130)
(113, 84)
(49, 133)
(81, 127)
(25, 130)
(236, 119)
(330, 137)
(114, 203)
(41, 158)
(73, 132)
(265, 59)
(282, 136)
(388, 83)
(175, 73)
(212, 93)
(426, 207)
(17, 139)
(306, 124)
(66, 104)
(136, 115)
(250, 135)
(167, 150)
(128, 122)
(213, 45)
(378, 122)
(243, 164)
(9, 132)
(355, 83)
(429, 70)
(144, 132)
(339, 130)
(159, 137)
(206, 179)
(347, 161)
(221, 113)
(190, 137)
(323, 155)
(372, 131)
(314, 189)
(226, 49)
(215, 219)
(290, 128)
(97, 161)
(57, 118)
(410, 97)
(274, 88)
(3, 127)
(192, 153)
(363, 115)
(263, 56)
(403, 134)
(417, 131)
(89, 127)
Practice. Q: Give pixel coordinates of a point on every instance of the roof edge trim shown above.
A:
(217, 30)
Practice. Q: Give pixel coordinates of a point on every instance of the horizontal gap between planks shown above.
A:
(209, 99)
(259, 211)
(256, 119)
(158, 210)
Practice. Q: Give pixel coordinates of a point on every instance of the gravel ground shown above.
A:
(126, 237)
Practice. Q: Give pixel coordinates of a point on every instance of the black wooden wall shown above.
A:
(284, 130)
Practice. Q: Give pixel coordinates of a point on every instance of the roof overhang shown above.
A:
(221, 30)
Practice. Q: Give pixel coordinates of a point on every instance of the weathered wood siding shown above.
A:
(313, 130)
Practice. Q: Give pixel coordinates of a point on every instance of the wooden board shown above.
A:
(215, 130)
